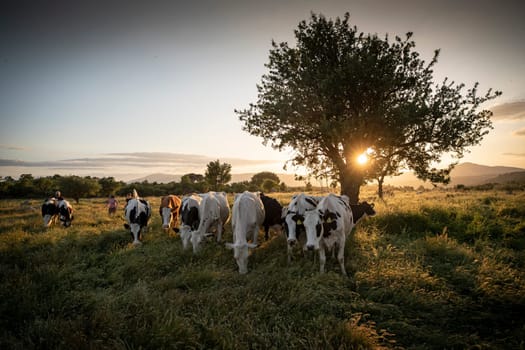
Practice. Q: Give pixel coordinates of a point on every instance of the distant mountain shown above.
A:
(157, 177)
(470, 174)
(518, 177)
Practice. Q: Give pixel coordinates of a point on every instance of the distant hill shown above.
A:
(468, 174)
(517, 177)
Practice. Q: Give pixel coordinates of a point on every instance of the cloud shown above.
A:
(520, 132)
(515, 154)
(509, 111)
(13, 148)
(175, 162)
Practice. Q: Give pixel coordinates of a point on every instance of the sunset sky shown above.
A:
(129, 88)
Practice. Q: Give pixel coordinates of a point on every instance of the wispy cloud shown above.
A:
(509, 111)
(515, 154)
(176, 162)
(520, 132)
(13, 148)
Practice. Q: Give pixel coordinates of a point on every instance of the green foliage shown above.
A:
(433, 270)
(259, 178)
(338, 92)
(217, 174)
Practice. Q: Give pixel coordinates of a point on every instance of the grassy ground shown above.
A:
(431, 271)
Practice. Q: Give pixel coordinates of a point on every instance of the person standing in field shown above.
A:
(112, 204)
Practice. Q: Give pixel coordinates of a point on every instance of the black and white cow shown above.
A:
(214, 213)
(189, 217)
(293, 220)
(65, 212)
(137, 213)
(330, 223)
(50, 211)
(272, 215)
(247, 218)
(327, 227)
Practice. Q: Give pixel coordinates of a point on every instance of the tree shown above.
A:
(258, 179)
(339, 92)
(192, 178)
(269, 185)
(218, 174)
(109, 185)
(77, 187)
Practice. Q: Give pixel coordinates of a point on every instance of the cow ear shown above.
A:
(251, 245)
(229, 245)
(126, 226)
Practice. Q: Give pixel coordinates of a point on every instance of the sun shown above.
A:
(362, 159)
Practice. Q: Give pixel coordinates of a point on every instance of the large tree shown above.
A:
(339, 92)
(218, 174)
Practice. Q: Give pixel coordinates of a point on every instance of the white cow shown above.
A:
(293, 220)
(327, 227)
(213, 214)
(247, 218)
(189, 217)
(137, 213)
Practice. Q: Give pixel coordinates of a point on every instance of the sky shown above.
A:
(130, 88)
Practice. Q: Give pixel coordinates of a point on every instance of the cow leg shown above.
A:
(255, 234)
(322, 259)
(219, 231)
(341, 257)
(266, 232)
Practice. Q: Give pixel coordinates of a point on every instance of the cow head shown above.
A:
(240, 253)
(319, 224)
(293, 226)
(167, 216)
(362, 210)
(196, 239)
(314, 228)
(185, 236)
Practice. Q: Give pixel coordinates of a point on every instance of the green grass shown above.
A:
(431, 271)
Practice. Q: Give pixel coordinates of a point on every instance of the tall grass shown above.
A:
(430, 271)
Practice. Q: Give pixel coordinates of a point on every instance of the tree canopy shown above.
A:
(340, 92)
(218, 174)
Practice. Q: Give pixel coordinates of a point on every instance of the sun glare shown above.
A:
(362, 159)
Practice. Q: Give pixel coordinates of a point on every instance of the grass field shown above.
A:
(436, 270)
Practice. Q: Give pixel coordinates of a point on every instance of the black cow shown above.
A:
(272, 214)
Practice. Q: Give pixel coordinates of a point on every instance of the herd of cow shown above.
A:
(310, 223)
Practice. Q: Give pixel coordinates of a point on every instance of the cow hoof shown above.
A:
(137, 243)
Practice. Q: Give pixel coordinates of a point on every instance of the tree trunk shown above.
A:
(351, 182)
(380, 187)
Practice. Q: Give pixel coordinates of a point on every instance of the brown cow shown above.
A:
(169, 212)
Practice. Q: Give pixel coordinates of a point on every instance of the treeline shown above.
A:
(76, 187)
